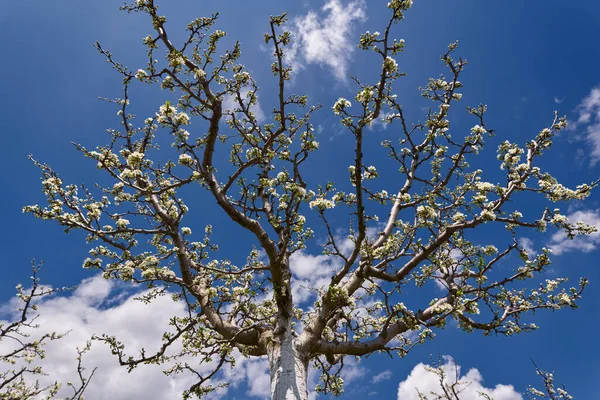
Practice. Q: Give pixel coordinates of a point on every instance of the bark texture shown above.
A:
(288, 369)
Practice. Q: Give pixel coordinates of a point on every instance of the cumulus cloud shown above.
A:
(421, 379)
(589, 121)
(96, 308)
(99, 306)
(311, 272)
(257, 373)
(560, 243)
(325, 39)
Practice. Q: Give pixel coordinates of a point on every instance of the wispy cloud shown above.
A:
(588, 122)
(230, 104)
(527, 245)
(325, 38)
(560, 243)
(382, 376)
(381, 121)
(457, 255)
(423, 380)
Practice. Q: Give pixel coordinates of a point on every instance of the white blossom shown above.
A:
(186, 159)
(484, 186)
(340, 105)
(487, 215)
(425, 212)
(322, 204)
(122, 223)
(390, 65)
(141, 74)
(563, 299)
(182, 118)
(458, 217)
(199, 73)
(135, 159)
(365, 95)
(370, 173)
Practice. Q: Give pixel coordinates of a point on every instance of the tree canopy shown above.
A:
(402, 256)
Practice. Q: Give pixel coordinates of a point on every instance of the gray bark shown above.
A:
(288, 370)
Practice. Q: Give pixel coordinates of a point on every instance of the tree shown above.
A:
(26, 348)
(550, 390)
(139, 225)
(452, 386)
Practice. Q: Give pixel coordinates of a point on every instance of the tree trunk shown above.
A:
(288, 370)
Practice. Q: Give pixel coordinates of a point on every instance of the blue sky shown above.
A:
(526, 60)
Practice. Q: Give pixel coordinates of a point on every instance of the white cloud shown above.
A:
(325, 39)
(381, 121)
(382, 376)
(99, 306)
(457, 255)
(560, 243)
(311, 272)
(589, 120)
(427, 382)
(579, 157)
(527, 244)
(91, 310)
(315, 271)
(352, 371)
(230, 103)
(307, 266)
(259, 381)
